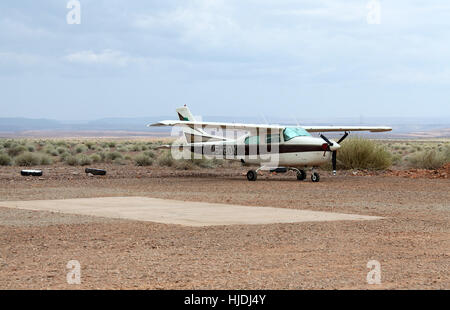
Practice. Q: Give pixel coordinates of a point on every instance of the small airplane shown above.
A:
(273, 147)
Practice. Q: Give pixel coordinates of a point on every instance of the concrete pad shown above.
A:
(180, 212)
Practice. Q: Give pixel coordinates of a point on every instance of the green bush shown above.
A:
(113, 156)
(427, 160)
(27, 159)
(80, 148)
(84, 160)
(96, 158)
(50, 149)
(61, 143)
(184, 164)
(206, 163)
(64, 155)
(360, 153)
(136, 148)
(61, 150)
(5, 160)
(165, 159)
(149, 154)
(89, 144)
(71, 160)
(122, 149)
(45, 160)
(143, 160)
(447, 154)
(15, 150)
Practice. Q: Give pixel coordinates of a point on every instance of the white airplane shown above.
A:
(272, 147)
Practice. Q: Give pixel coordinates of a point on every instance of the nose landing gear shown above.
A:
(301, 175)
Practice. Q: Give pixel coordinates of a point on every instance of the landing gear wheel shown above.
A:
(315, 177)
(251, 175)
(301, 175)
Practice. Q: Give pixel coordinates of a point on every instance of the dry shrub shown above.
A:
(15, 150)
(5, 160)
(45, 160)
(27, 159)
(71, 160)
(84, 160)
(143, 160)
(428, 159)
(361, 153)
(96, 158)
(184, 164)
(111, 156)
(165, 159)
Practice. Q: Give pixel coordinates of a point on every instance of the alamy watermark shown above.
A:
(374, 12)
(212, 142)
(74, 274)
(73, 17)
(374, 275)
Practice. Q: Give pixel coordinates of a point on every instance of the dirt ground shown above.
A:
(412, 242)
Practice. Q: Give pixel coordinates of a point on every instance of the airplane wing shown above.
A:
(232, 126)
(238, 126)
(346, 128)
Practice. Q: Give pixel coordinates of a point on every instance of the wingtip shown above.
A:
(382, 129)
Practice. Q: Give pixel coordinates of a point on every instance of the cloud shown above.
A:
(228, 52)
(105, 57)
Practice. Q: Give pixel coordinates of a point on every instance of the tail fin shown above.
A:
(194, 134)
(184, 114)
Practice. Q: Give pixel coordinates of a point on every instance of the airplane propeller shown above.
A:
(333, 153)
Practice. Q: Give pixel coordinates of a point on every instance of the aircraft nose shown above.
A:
(335, 146)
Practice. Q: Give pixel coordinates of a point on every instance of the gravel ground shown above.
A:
(412, 243)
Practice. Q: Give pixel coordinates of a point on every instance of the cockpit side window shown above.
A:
(292, 132)
(275, 138)
(252, 140)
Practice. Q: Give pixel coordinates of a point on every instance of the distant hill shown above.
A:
(20, 124)
(402, 127)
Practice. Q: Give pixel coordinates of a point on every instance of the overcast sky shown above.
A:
(317, 58)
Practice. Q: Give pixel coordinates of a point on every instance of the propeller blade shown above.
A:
(326, 140)
(343, 137)
(333, 161)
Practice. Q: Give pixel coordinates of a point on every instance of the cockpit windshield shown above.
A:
(292, 132)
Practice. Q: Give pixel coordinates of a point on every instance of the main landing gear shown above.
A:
(252, 175)
(315, 177)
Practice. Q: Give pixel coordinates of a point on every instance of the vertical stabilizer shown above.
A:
(192, 133)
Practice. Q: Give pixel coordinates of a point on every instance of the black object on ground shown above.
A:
(35, 173)
(95, 171)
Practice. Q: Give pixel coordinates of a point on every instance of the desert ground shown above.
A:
(411, 241)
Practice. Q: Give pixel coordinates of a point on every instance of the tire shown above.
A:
(95, 171)
(301, 175)
(315, 177)
(252, 175)
(34, 173)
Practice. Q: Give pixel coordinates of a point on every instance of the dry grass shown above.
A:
(355, 153)
(360, 153)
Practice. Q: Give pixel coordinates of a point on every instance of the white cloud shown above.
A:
(105, 57)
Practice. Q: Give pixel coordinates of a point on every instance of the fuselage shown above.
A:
(301, 151)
